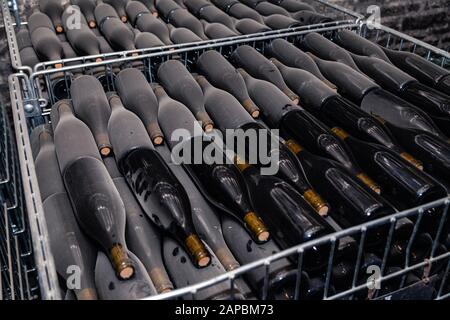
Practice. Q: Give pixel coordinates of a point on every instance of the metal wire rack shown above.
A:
(31, 96)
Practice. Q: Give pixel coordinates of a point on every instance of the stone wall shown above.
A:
(427, 20)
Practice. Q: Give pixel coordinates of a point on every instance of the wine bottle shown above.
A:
(433, 102)
(140, 99)
(307, 18)
(293, 5)
(420, 68)
(372, 99)
(145, 40)
(229, 114)
(354, 43)
(151, 5)
(223, 75)
(352, 202)
(88, 8)
(406, 186)
(250, 26)
(180, 85)
(267, 9)
(104, 45)
(47, 45)
(67, 242)
(81, 38)
(142, 19)
(119, 35)
(238, 10)
(204, 9)
(295, 221)
(282, 274)
(279, 21)
(327, 50)
(279, 111)
(293, 57)
(27, 54)
(39, 20)
(206, 220)
(119, 6)
(142, 237)
(97, 204)
(151, 180)
(165, 7)
(53, 9)
(258, 66)
(91, 106)
(182, 35)
(217, 30)
(184, 274)
(251, 3)
(331, 108)
(221, 181)
(110, 288)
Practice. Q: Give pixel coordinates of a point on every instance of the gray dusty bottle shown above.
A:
(307, 17)
(45, 42)
(119, 6)
(111, 288)
(91, 106)
(152, 181)
(81, 38)
(144, 40)
(267, 9)
(119, 35)
(293, 57)
(27, 53)
(204, 9)
(293, 5)
(260, 67)
(223, 75)
(250, 26)
(87, 7)
(180, 85)
(140, 99)
(96, 202)
(325, 49)
(206, 220)
(150, 4)
(105, 47)
(69, 245)
(217, 30)
(238, 10)
(53, 9)
(142, 19)
(142, 236)
(282, 274)
(184, 274)
(39, 20)
(279, 21)
(182, 35)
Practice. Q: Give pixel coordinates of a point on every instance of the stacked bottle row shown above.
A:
(108, 158)
(89, 27)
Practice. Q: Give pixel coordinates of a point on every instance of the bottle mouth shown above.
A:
(251, 108)
(369, 182)
(197, 250)
(122, 264)
(316, 201)
(92, 24)
(416, 163)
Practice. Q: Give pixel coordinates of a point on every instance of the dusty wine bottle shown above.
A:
(182, 35)
(82, 39)
(39, 20)
(306, 17)
(142, 19)
(371, 98)
(53, 9)
(87, 7)
(293, 5)
(325, 49)
(238, 10)
(140, 99)
(47, 45)
(293, 57)
(204, 9)
(119, 35)
(119, 6)
(27, 53)
(333, 109)
(279, 21)
(151, 5)
(111, 288)
(141, 235)
(184, 274)
(66, 239)
(217, 30)
(250, 26)
(279, 111)
(97, 204)
(91, 106)
(221, 181)
(180, 85)
(260, 67)
(229, 114)
(145, 40)
(151, 180)
(223, 75)
(267, 9)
